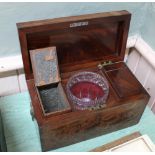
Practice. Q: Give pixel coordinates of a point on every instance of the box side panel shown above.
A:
(93, 125)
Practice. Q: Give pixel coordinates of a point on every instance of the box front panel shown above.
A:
(91, 126)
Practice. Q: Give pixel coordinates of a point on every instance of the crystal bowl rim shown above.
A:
(77, 100)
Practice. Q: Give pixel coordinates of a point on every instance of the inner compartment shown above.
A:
(122, 80)
(53, 99)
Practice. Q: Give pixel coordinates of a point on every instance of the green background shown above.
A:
(142, 23)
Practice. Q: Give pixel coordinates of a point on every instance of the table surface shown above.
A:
(21, 132)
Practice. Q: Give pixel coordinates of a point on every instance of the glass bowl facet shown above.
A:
(87, 90)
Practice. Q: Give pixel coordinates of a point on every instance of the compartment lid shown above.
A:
(45, 66)
(78, 39)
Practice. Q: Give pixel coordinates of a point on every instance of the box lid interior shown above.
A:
(78, 40)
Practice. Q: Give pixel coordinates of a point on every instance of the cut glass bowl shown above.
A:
(87, 90)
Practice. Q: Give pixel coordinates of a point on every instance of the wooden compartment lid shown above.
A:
(45, 66)
(78, 39)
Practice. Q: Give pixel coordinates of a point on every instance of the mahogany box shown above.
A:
(55, 49)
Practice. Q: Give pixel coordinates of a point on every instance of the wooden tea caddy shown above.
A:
(93, 42)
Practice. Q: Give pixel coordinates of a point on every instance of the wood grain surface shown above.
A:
(82, 43)
(106, 32)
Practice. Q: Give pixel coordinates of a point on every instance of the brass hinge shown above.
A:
(105, 63)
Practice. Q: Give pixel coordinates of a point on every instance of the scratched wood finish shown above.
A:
(99, 37)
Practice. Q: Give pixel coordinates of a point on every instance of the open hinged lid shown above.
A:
(78, 39)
